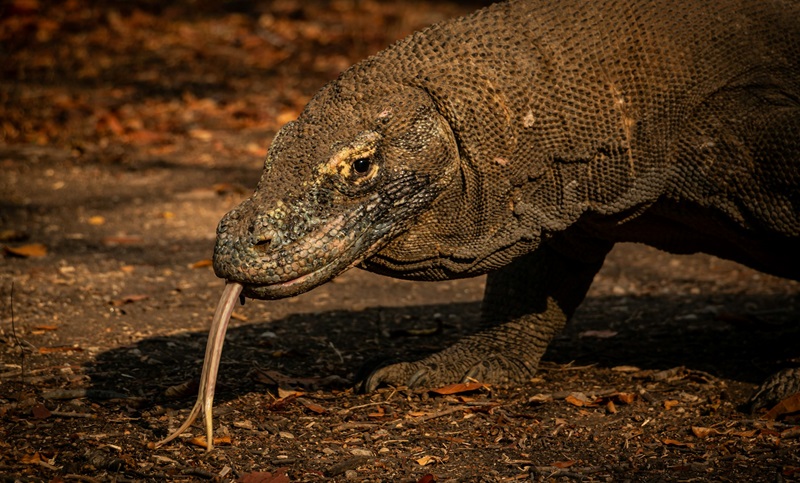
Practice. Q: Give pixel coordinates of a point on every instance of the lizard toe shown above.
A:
(421, 378)
(398, 374)
(414, 375)
(480, 372)
(438, 370)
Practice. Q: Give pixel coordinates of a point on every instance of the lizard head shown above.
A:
(352, 172)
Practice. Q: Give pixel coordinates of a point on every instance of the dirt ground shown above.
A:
(129, 129)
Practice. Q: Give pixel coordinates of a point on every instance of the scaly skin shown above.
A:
(524, 141)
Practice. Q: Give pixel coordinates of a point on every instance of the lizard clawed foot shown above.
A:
(445, 368)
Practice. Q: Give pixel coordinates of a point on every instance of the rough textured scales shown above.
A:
(523, 141)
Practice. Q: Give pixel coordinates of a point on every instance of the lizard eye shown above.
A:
(362, 165)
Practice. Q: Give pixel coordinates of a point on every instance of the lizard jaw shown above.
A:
(288, 288)
(295, 286)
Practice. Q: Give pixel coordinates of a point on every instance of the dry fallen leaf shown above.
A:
(202, 263)
(56, 349)
(380, 412)
(625, 369)
(239, 317)
(39, 411)
(624, 397)
(458, 388)
(96, 220)
(575, 401)
(564, 464)
(284, 393)
(31, 458)
(279, 476)
(702, 432)
(540, 398)
(201, 134)
(219, 440)
(26, 251)
(671, 403)
(580, 400)
(311, 406)
(39, 459)
(674, 442)
(426, 460)
(246, 424)
(789, 405)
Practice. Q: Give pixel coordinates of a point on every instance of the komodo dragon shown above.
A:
(523, 141)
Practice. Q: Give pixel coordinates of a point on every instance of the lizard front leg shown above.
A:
(525, 304)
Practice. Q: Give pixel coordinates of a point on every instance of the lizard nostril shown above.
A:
(264, 244)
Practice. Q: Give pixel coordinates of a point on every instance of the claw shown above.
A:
(446, 368)
(419, 378)
(372, 382)
(394, 374)
(475, 373)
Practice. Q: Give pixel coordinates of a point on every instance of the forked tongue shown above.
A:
(208, 379)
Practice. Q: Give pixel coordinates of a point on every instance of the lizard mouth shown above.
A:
(298, 285)
(303, 283)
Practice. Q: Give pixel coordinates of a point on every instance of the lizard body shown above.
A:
(523, 141)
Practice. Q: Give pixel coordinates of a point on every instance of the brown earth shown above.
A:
(130, 128)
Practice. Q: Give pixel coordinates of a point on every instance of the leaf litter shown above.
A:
(123, 174)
